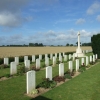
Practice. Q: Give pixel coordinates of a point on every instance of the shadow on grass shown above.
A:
(40, 98)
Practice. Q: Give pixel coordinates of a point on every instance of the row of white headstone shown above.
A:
(86, 51)
(6, 60)
(27, 62)
(31, 79)
(13, 65)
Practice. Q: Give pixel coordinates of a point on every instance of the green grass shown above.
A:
(86, 86)
(76, 89)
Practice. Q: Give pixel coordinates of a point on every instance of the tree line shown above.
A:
(41, 45)
(82, 44)
(25, 45)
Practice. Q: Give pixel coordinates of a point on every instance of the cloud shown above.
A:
(45, 2)
(11, 13)
(9, 19)
(50, 33)
(80, 21)
(59, 38)
(12, 5)
(98, 18)
(95, 7)
(64, 21)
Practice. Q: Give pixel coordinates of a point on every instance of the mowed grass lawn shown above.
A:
(83, 87)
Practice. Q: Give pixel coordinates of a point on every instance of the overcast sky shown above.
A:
(51, 22)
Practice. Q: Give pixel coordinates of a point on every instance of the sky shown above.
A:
(51, 22)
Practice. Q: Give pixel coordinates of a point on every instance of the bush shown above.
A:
(88, 66)
(92, 63)
(47, 83)
(43, 65)
(59, 78)
(11, 59)
(82, 69)
(7, 75)
(95, 43)
(70, 73)
(21, 70)
(34, 91)
(67, 53)
(30, 57)
(4, 66)
(1, 60)
(21, 59)
(67, 76)
(34, 68)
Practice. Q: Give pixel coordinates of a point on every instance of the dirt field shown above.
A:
(19, 51)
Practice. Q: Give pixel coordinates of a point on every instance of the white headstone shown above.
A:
(13, 68)
(27, 65)
(63, 54)
(17, 60)
(47, 61)
(84, 51)
(54, 60)
(73, 56)
(37, 63)
(70, 56)
(6, 61)
(56, 55)
(33, 58)
(31, 81)
(96, 56)
(49, 72)
(65, 57)
(61, 69)
(40, 57)
(87, 60)
(90, 58)
(25, 58)
(93, 58)
(46, 55)
(82, 61)
(70, 66)
(77, 64)
(59, 54)
(60, 58)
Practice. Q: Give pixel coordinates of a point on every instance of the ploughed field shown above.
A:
(20, 51)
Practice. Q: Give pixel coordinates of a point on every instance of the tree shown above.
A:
(31, 44)
(95, 43)
(67, 44)
(86, 44)
(71, 44)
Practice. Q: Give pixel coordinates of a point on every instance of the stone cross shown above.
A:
(78, 39)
